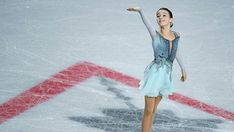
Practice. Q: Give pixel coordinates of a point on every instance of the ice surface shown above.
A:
(38, 39)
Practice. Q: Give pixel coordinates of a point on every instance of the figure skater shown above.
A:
(157, 81)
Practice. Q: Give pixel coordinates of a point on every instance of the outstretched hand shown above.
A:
(136, 8)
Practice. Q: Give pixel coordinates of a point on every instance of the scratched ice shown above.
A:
(38, 39)
(119, 120)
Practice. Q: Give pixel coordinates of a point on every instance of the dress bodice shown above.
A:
(161, 47)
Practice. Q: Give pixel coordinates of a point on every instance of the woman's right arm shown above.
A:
(147, 24)
(145, 20)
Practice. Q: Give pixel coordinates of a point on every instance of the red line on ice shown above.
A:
(78, 73)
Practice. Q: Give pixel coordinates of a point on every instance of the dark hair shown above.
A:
(170, 13)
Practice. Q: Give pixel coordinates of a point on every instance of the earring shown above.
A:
(171, 24)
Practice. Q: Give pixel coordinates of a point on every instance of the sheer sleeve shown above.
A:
(147, 24)
(180, 60)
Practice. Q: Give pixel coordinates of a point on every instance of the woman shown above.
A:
(157, 81)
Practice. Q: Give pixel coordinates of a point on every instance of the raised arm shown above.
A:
(147, 24)
(145, 20)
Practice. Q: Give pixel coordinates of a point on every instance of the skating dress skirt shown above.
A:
(157, 80)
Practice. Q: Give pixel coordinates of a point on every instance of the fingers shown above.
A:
(134, 9)
(131, 9)
(183, 78)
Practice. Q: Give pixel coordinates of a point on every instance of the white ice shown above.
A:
(40, 38)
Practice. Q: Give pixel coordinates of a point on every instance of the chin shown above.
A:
(163, 25)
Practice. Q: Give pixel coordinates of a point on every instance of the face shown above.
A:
(163, 18)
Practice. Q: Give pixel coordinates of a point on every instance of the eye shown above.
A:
(164, 15)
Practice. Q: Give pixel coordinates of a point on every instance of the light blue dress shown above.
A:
(157, 79)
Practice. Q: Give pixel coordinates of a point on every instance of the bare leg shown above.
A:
(148, 113)
(156, 102)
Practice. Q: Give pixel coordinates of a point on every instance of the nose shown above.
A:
(161, 17)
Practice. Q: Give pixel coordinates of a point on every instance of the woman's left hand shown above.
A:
(184, 76)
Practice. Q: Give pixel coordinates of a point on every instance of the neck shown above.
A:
(165, 30)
